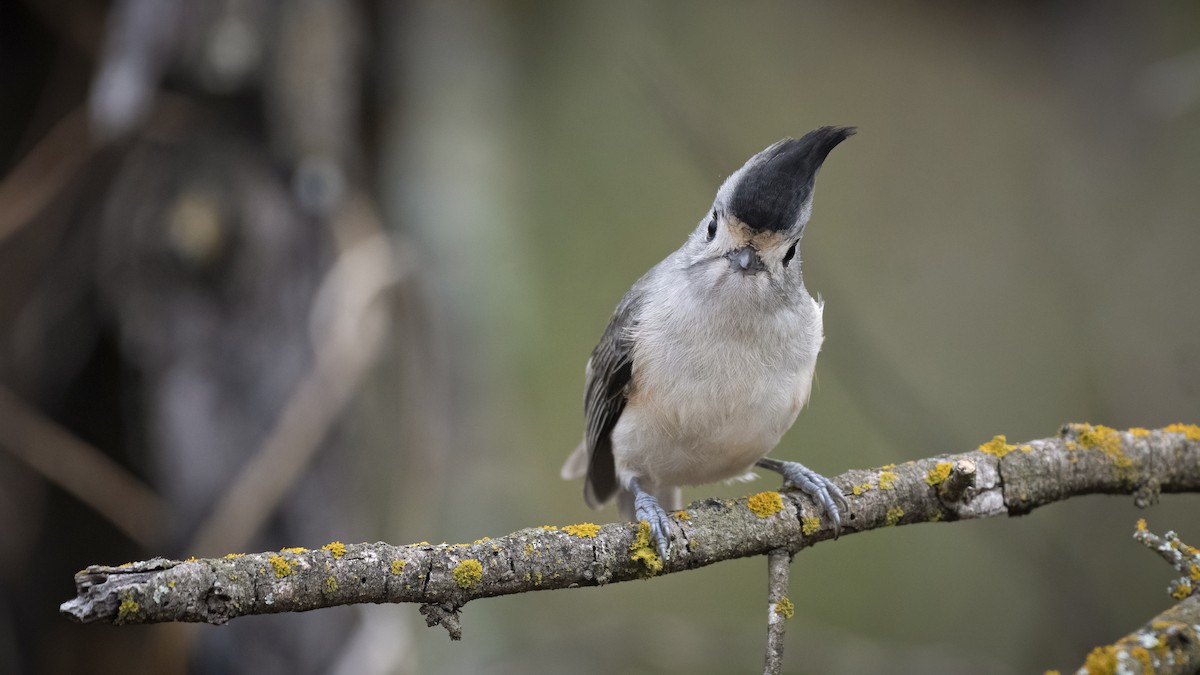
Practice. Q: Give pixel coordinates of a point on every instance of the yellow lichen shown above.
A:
(765, 504)
(1026, 448)
(295, 549)
(1191, 431)
(128, 609)
(550, 528)
(480, 541)
(1143, 655)
(859, 489)
(1141, 525)
(1107, 440)
(1139, 431)
(809, 525)
(398, 566)
(1101, 660)
(191, 559)
(894, 514)
(785, 608)
(887, 480)
(467, 573)
(682, 515)
(1194, 572)
(336, 548)
(281, 565)
(231, 556)
(1099, 437)
(529, 549)
(583, 530)
(998, 446)
(938, 474)
(888, 467)
(1052, 672)
(1182, 589)
(171, 584)
(331, 584)
(641, 552)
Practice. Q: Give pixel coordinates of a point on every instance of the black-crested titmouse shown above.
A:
(708, 359)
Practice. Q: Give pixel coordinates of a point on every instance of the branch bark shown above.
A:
(779, 608)
(997, 479)
(1169, 642)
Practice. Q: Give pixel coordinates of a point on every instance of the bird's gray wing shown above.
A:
(609, 379)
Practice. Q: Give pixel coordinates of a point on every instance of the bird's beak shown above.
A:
(745, 260)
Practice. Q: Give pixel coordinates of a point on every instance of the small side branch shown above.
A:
(1170, 642)
(997, 479)
(779, 608)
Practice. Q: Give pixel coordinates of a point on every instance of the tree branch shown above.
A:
(1170, 642)
(997, 479)
(779, 608)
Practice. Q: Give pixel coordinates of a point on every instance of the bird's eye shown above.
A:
(712, 226)
(791, 253)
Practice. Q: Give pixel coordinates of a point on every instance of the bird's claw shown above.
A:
(818, 487)
(647, 508)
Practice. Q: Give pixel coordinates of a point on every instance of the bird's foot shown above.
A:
(814, 485)
(647, 508)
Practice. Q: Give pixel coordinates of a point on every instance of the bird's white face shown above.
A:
(725, 253)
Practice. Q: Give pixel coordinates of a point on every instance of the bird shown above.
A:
(708, 359)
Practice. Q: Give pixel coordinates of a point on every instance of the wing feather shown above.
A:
(609, 379)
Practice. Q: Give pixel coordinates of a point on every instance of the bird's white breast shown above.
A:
(715, 387)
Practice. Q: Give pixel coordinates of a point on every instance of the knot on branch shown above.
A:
(960, 479)
(444, 614)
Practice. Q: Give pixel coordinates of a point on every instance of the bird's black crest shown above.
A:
(775, 186)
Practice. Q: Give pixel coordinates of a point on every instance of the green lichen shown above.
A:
(887, 480)
(127, 610)
(398, 566)
(467, 573)
(331, 584)
(894, 514)
(281, 566)
(583, 530)
(336, 548)
(785, 608)
(938, 474)
(642, 553)
(809, 525)
(765, 504)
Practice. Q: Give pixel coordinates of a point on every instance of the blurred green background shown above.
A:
(1009, 243)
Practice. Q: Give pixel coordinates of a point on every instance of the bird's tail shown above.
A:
(576, 464)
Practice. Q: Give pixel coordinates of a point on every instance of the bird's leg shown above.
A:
(647, 508)
(812, 484)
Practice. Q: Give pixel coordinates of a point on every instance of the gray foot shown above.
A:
(814, 485)
(647, 508)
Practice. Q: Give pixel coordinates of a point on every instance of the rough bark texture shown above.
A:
(779, 608)
(997, 479)
(1170, 642)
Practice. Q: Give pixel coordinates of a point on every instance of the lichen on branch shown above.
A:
(996, 479)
